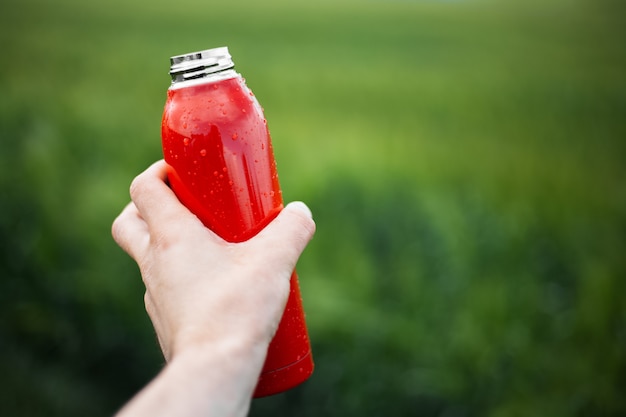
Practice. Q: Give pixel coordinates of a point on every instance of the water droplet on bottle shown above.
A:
(202, 152)
(243, 110)
(186, 141)
(234, 136)
(215, 173)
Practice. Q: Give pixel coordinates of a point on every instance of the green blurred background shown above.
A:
(465, 162)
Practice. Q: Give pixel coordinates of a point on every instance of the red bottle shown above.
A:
(221, 166)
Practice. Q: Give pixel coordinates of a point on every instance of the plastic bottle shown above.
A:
(221, 166)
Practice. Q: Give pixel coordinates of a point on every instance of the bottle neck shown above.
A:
(199, 67)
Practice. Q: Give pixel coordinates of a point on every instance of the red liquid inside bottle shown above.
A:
(221, 167)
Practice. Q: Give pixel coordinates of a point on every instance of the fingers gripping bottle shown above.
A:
(221, 167)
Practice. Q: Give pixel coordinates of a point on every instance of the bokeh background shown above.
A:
(465, 162)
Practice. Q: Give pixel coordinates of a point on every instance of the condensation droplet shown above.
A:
(186, 141)
(234, 136)
(202, 152)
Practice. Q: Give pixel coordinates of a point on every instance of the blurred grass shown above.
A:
(464, 161)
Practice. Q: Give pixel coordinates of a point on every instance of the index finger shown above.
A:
(154, 199)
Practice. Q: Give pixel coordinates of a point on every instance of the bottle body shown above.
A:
(221, 166)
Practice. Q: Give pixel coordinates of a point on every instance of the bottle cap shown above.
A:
(200, 64)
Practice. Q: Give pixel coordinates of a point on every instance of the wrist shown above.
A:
(238, 350)
(243, 346)
(209, 378)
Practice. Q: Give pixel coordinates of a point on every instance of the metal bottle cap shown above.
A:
(200, 64)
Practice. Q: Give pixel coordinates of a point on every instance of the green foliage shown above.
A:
(464, 162)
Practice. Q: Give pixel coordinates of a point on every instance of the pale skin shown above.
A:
(214, 305)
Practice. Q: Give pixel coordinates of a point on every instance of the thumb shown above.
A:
(285, 237)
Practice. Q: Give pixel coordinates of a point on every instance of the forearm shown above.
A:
(212, 380)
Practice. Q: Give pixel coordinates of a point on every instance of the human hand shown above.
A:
(214, 305)
(200, 289)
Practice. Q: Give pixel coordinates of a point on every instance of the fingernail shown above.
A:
(299, 205)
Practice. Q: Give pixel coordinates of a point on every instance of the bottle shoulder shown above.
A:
(211, 79)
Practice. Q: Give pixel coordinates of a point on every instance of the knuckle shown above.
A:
(116, 228)
(147, 301)
(136, 186)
